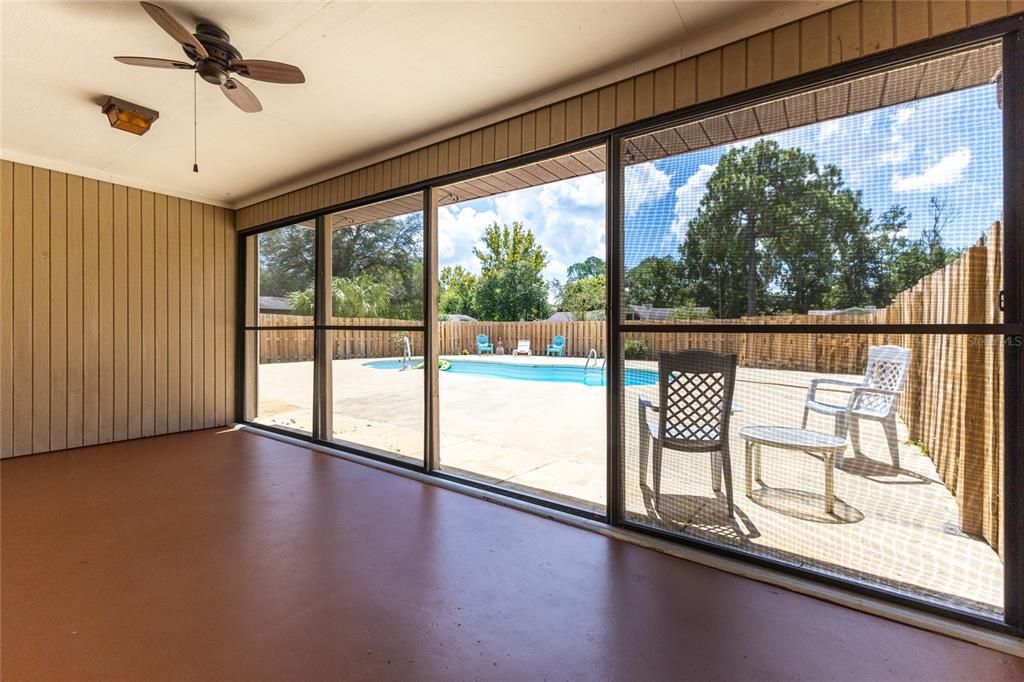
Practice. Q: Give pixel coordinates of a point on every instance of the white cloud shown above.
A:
(688, 196)
(829, 129)
(899, 148)
(459, 227)
(946, 171)
(586, 191)
(645, 182)
(567, 218)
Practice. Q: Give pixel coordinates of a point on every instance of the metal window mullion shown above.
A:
(431, 333)
(323, 412)
(615, 466)
(1013, 315)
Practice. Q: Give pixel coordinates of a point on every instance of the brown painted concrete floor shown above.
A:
(225, 555)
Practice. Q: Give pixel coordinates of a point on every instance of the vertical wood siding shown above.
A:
(97, 282)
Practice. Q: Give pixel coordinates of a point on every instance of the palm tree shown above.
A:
(352, 297)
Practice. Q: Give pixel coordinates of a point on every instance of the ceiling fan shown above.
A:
(215, 60)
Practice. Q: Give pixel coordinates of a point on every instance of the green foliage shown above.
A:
(777, 232)
(658, 281)
(383, 253)
(581, 295)
(926, 254)
(387, 252)
(351, 298)
(764, 235)
(503, 246)
(457, 291)
(286, 260)
(591, 267)
(510, 286)
(636, 349)
(511, 293)
(689, 311)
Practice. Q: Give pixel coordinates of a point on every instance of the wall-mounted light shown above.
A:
(129, 117)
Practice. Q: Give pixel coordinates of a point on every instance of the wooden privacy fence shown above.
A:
(952, 403)
(580, 337)
(286, 345)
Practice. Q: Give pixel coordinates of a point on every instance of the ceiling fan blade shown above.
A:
(156, 63)
(241, 96)
(270, 72)
(174, 28)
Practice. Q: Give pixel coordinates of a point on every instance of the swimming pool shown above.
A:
(565, 374)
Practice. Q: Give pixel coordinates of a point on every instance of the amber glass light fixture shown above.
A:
(129, 117)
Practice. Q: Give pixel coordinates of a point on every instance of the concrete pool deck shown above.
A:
(898, 528)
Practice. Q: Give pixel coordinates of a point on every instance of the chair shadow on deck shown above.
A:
(805, 505)
(882, 472)
(706, 516)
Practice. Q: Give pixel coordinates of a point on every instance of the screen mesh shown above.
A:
(837, 204)
(911, 423)
(873, 201)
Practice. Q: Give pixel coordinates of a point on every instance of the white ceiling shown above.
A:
(380, 76)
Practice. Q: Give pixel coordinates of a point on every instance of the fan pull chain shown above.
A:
(195, 125)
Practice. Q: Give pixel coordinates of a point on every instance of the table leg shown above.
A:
(758, 454)
(748, 471)
(829, 483)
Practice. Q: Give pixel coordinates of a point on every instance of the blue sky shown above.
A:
(948, 146)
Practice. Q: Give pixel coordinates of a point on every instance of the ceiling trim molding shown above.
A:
(93, 174)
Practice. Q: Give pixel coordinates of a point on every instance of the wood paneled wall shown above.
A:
(849, 31)
(116, 312)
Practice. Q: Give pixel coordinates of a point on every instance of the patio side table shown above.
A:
(787, 438)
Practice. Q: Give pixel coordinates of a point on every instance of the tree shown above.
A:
(766, 232)
(503, 246)
(591, 267)
(388, 252)
(457, 291)
(357, 297)
(510, 286)
(926, 254)
(657, 281)
(865, 260)
(579, 296)
(511, 293)
(287, 259)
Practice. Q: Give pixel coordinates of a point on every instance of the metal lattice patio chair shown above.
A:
(875, 397)
(695, 389)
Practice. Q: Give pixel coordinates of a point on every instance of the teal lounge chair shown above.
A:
(483, 345)
(557, 346)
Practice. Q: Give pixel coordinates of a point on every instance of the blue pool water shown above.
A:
(566, 374)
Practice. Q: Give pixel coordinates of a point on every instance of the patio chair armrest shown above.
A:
(879, 391)
(646, 404)
(813, 386)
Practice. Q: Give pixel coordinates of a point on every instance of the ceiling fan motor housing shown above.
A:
(215, 68)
